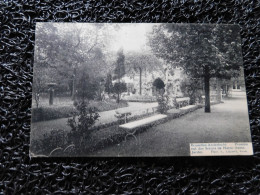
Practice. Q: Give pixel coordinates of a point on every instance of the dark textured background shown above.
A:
(210, 175)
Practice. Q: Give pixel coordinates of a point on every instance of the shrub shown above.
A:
(192, 89)
(118, 89)
(44, 146)
(162, 104)
(81, 127)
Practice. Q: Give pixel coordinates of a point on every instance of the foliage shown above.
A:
(80, 125)
(119, 88)
(64, 108)
(49, 142)
(119, 72)
(120, 64)
(86, 87)
(163, 102)
(202, 50)
(137, 62)
(192, 88)
(39, 85)
(51, 113)
(63, 50)
(193, 46)
(109, 84)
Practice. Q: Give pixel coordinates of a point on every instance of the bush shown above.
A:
(119, 88)
(162, 104)
(80, 127)
(44, 146)
(50, 113)
(192, 89)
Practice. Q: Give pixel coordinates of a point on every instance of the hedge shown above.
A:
(140, 98)
(50, 113)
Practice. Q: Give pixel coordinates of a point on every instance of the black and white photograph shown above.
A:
(138, 90)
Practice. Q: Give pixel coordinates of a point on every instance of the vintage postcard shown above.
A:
(147, 90)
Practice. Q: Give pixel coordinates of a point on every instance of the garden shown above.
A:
(94, 90)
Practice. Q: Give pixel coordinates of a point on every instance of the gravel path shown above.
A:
(227, 122)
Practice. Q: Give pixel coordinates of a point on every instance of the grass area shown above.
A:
(63, 108)
(108, 105)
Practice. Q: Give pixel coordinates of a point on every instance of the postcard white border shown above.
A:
(221, 149)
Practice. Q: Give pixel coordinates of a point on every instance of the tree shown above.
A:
(38, 88)
(40, 80)
(141, 62)
(119, 70)
(67, 48)
(119, 88)
(86, 88)
(109, 84)
(120, 64)
(204, 51)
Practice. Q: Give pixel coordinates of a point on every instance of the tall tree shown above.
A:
(119, 70)
(109, 84)
(120, 64)
(68, 48)
(202, 50)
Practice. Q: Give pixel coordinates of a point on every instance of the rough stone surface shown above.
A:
(21, 175)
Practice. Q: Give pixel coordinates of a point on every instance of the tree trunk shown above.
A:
(166, 80)
(140, 81)
(227, 90)
(207, 89)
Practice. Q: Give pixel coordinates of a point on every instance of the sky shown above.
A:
(131, 37)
